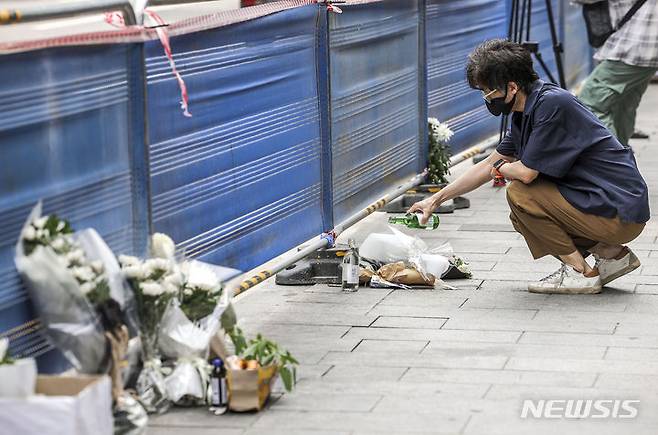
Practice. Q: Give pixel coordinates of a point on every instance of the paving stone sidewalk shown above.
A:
(460, 361)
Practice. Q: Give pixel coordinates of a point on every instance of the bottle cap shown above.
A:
(217, 362)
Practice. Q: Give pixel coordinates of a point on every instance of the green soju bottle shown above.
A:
(412, 220)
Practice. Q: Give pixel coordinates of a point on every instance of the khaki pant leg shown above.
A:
(551, 225)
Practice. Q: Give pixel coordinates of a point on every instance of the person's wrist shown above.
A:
(437, 199)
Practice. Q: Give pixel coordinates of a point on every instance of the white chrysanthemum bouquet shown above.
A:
(439, 151)
(179, 306)
(76, 287)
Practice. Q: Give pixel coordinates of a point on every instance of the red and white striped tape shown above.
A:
(163, 35)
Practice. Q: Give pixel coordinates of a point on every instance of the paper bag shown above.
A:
(248, 390)
(399, 273)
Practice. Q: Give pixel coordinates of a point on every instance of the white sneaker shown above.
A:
(566, 280)
(611, 269)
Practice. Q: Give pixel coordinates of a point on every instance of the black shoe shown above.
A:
(638, 134)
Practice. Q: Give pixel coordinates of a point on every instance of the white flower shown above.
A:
(83, 273)
(188, 291)
(87, 287)
(29, 233)
(201, 277)
(46, 233)
(439, 130)
(60, 226)
(162, 246)
(151, 288)
(40, 222)
(133, 272)
(97, 267)
(58, 244)
(4, 346)
(39, 234)
(129, 260)
(153, 265)
(76, 256)
(174, 279)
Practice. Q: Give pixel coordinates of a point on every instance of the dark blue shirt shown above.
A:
(561, 139)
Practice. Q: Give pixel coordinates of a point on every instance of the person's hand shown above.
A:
(426, 206)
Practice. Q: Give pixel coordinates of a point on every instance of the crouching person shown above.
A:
(575, 189)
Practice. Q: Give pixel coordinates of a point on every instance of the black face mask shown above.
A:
(498, 105)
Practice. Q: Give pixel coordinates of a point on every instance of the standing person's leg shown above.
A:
(613, 92)
(597, 95)
(630, 100)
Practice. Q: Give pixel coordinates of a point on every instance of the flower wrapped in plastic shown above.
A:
(155, 282)
(73, 280)
(188, 326)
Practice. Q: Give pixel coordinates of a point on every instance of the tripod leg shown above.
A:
(511, 21)
(524, 8)
(540, 59)
(557, 46)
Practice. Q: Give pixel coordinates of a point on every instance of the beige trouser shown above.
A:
(552, 226)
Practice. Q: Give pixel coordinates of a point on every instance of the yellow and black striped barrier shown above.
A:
(9, 16)
(254, 281)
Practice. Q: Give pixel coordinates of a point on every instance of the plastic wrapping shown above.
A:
(188, 343)
(395, 247)
(68, 318)
(130, 418)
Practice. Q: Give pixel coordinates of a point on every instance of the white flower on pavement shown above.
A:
(134, 272)
(41, 222)
(162, 246)
(29, 233)
(84, 273)
(150, 288)
(201, 277)
(97, 267)
(58, 244)
(87, 287)
(153, 265)
(440, 130)
(173, 282)
(76, 256)
(129, 260)
(4, 346)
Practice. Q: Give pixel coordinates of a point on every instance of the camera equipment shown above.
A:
(520, 23)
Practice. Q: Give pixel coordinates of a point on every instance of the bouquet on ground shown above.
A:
(188, 326)
(155, 282)
(439, 151)
(76, 287)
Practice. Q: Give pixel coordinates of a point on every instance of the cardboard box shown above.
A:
(63, 405)
(248, 390)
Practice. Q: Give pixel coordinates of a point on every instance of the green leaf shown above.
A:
(287, 378)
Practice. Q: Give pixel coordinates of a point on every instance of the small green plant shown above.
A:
(439, 151)
(266, 352)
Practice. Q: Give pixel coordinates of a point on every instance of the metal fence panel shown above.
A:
(454, 28)
(71, 128)
(376, 100)
(240, 181)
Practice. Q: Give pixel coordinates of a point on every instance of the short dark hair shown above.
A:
(496, 62)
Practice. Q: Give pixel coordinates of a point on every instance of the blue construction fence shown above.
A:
(300, 118)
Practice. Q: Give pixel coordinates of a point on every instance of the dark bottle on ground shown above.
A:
(219, 387)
